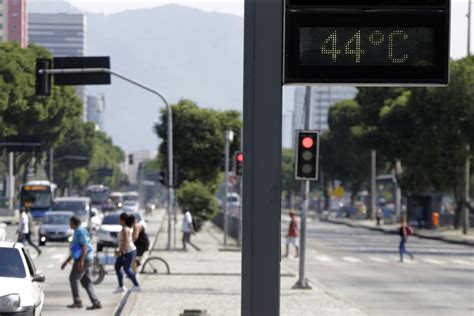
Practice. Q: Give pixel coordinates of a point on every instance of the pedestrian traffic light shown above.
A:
(239, 164)
(307, 155)
(43, 80)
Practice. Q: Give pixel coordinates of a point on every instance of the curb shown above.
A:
(124, 299)
(391, 231)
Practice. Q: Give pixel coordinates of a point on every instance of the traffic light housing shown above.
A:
(239, 163)
(43, 80)
(163, 178)
(307, 155)
(130, 159)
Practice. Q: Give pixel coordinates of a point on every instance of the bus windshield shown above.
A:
(37, 198)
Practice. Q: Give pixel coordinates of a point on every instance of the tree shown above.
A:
(343, 156)
(199, 199)
(198, 141)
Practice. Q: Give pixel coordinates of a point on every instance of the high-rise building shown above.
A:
(96, 110)
(63, 35)
(13, 22)
(322, 98)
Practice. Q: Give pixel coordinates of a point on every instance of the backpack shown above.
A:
(409, 230)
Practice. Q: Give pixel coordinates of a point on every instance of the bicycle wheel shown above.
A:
(97, 273)
(155, 265)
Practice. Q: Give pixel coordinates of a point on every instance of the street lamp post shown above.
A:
(229, 137)
(170, 126)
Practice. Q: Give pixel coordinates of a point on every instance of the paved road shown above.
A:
(363, 266)
(56, 288)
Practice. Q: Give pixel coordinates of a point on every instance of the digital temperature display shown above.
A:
(366, 46)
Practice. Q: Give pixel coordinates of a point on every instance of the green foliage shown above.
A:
(82, 139)
(199, 199)
(198, 148)
(198, 141)
(56, 119)
(343, 156)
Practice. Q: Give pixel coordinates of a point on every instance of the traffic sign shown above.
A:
(77, 79)
(370, 42)
(21, 143)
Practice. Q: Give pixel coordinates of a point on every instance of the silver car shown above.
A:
(55, 227)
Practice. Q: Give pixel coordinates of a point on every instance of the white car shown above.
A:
(130, 206)
(20, 292)
(107, 235)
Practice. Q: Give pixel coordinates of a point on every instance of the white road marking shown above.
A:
(58, 256)
(323, 258)
(50, 266)
(377, 259)
(433, 261)
(463, 262)
(351, 259)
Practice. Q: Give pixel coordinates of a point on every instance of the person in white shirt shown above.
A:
(24, 231)
(188, 229)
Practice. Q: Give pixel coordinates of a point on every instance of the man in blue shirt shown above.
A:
(81, 253)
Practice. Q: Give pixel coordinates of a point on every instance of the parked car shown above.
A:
(81, 207)
(130, 206)
(107, 234)
(20, 292)
(55, 227)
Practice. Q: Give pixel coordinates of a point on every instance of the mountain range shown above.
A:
(180, 51)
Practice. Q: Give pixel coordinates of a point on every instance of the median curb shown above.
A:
(395, 231)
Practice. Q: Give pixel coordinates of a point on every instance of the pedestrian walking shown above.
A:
(140, 239)
(292, 236)
(25, 229)
(126, 253)
(81, 254)
(405, 231)
(378, 214)
(188, 230)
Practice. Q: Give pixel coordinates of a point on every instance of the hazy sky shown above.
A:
(459, 10)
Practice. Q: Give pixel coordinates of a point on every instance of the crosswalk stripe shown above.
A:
(433, 261)
(377, 259)
(323, 258)
(463, 262)
(351, 259)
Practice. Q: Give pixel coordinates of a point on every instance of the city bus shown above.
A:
(38, 195)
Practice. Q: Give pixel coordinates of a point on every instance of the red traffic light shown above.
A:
(307, 142)
(240, 157)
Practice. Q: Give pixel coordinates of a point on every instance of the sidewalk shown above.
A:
(7, 217)
(210, 280)
(442, 234)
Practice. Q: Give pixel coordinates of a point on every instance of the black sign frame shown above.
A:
(296, 73)
(79, 79)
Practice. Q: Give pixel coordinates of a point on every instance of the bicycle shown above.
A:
(98, 270)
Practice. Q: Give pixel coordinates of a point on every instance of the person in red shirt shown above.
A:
(292, 236)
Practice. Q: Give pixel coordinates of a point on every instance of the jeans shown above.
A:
(125, 262)
(84, 277)
(403, 249)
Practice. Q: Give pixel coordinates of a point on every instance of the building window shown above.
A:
(15, 2)
(14, 14)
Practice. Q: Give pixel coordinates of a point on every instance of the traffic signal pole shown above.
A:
(302, 281)
(261, 251)
(170, 127)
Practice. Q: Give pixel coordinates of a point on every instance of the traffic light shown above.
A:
(130, 159)
(307, 155)
(43, 81)
(239, 164)
(163, 178)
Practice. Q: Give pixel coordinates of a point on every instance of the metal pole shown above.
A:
(469, 29)
(373, 184)
(261, 251)
(226, 186)
(51, 165)
(241, 190)
(69, 191)
(467, 180)
(11, 181)
(169, 123)
(302, 281)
